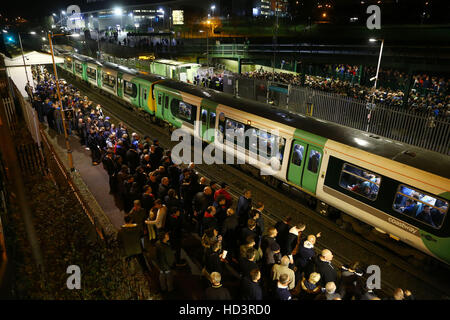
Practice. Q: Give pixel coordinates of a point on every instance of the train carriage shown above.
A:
(396, 188)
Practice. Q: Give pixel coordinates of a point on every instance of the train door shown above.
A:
(120, 84)
(99, 77)
(165, 109)
(313, 158)
(144, 97)
(297, 162)
(208, 121)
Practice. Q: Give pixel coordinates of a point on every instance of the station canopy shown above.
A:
(19, 73)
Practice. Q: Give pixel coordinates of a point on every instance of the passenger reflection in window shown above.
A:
(421, 206)
(297, 156)
(314, 159)
(360, 181)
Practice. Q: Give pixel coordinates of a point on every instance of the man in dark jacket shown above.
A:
(209, 218)
(216, 291)
(248, 263)
(164, 259)
(201, 202)
(137, 215)
(282, 291)
(250, 287)
(229, 233)
(243, 207)
(93, 146)
(132, 157)
(283, 227)
(174, 223)
(111, 168)
(324, 267)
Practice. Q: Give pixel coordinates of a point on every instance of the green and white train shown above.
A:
(396, 188)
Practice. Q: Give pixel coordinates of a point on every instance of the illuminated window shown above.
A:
(420, 206)
(360, 181)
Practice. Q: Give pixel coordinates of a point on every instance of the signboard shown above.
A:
(178, 17)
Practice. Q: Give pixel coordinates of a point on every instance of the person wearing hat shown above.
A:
(223, 191)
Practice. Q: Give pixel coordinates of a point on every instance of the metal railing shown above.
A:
(417, 128)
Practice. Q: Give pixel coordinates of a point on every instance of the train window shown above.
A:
(78, 68)
(144, 94)
(297, 154)
(183, 110)
(68, 63)
(130, 89)
(234, 131)
(314, 161)
(221, 127)
(204, 116)
(159, 98)
(420, 206)
(212, 120)
(267, 142)
(108, 80)
(360, 181)
(91, 73)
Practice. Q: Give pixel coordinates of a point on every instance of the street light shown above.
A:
(69, 151)
(376, 79)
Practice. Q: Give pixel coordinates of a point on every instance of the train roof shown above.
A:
(422, 159)
(117, 67)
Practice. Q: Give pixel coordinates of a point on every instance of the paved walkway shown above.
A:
(94, 177)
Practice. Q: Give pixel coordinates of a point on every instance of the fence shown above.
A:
(396, 123)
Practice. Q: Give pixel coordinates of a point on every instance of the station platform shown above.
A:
(94, 186)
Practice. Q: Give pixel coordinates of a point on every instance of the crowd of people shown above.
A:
(164, 202)
(429, 94)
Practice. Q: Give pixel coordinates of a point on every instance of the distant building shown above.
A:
(267, 8)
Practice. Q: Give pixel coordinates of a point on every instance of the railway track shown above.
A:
(346, 246)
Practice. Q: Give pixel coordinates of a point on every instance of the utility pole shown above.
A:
(69, 150)
(275, 39)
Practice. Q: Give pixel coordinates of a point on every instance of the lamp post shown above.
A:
(376, 80)
(275, 39)
(66, 136)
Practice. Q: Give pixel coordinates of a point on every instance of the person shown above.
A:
(111, 168)
(250, 287)
(147, 199)
(325, 268)
(243, 207)
(160, 220)
(283, 268)
(282, 291)
(330, 293)
(230, 232)
(137, 216)
(400, 294)
(223, 191)
(217, 291)
(283, 227)
(309, 287)
(213, 259)
(201, 202)
(292, 239)
(368, 294)
(304, 259)
(93, 146)
(247, 263)
(221, 210)
(209, 218)
(165, 258)
(351, 285)
(250, 230)
(426, 216)
(250, 243)
(174, 226)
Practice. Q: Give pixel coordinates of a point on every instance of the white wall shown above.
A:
(19, 78)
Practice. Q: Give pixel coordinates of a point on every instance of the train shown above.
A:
(397, 189)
